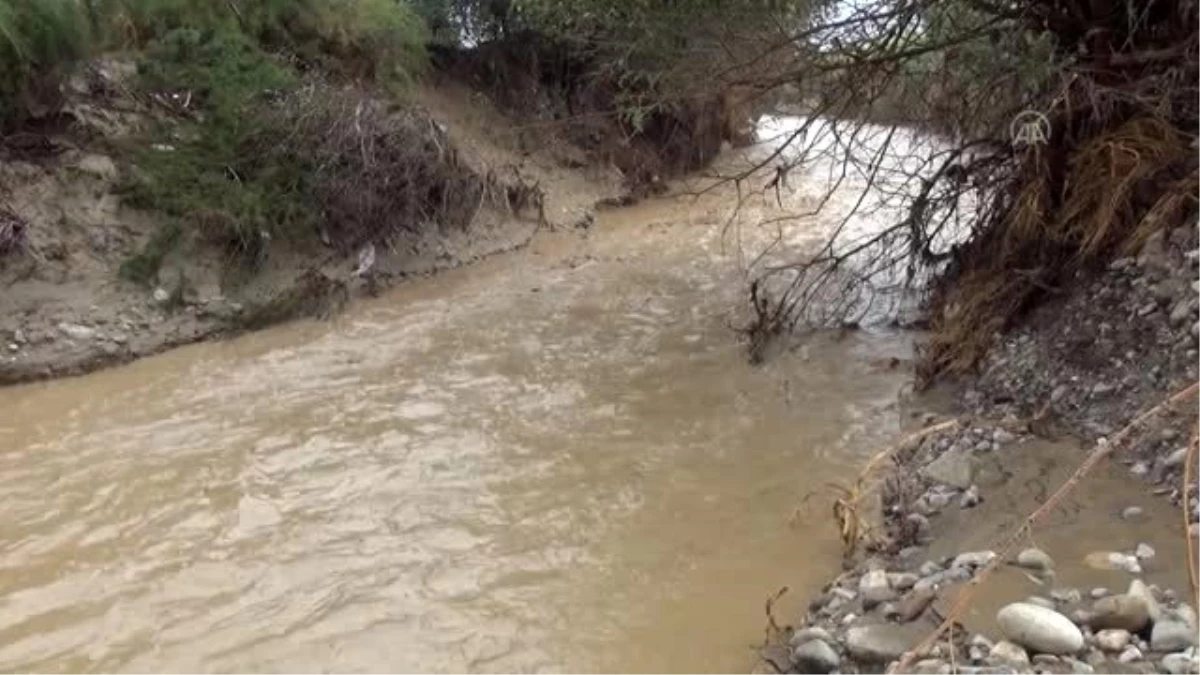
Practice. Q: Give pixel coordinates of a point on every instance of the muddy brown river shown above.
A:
(555, 460)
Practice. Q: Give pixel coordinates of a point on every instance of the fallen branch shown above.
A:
(1103, 449)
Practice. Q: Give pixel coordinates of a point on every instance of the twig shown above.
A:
(1102, 450)
(1189, 540)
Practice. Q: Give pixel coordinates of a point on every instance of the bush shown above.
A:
(39, 42)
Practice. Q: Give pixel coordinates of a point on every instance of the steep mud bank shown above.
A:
(66, 308)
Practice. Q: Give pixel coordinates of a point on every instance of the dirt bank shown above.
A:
(1066, 380)
(66, 309)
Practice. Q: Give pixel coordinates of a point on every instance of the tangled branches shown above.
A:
(948, 215)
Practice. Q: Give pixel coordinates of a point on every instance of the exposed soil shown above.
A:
(65, 309)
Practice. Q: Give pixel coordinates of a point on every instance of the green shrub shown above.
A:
(40, 40)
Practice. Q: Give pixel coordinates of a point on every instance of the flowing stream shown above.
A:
(555, 460)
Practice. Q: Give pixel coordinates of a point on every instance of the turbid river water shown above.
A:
(558, 459)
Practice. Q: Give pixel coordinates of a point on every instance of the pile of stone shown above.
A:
(871, 617)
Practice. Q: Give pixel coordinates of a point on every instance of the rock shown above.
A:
(1179, 663)
(920, 524)
(1098, 592)
(1132, 513)
(1103, 389)
(902, 581)
(931, 667)
(1175, 458)
(874, 588)
(1109, 560)
(913, 605)
(1181, 312)
(1139, 469)
(809, 634)
(1138, 589)
(100, 166)
(929, 568)
(1120, 611)
(970, 498)
(1174, 630)
(1009, 653)
(1112, 639)
(881, 643)
(815, 656)
(1040, 629)
(1035, 559)
(1003, 436)
(161, 296)
(1044, 659)
(954, 468)
(1130, 655)
(1144, 551)
(76, 331)
(974, 559)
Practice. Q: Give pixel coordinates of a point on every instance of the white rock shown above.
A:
(1174, 630)
(1130, 655)
(1132, 513)
(1175, 458)
(974, 559)
(1144, 551)
(1039, 629)
(902, 581)
(76, 331)
(1010, 653)
(970, 498)
(874, 587)
(161, 296)
(1113, 639)
(1180, 663)
(1035, 559)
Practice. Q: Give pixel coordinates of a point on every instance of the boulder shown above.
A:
(1035, 559)
(1174, 630)
(953, 468)
(1112, 639)
(815, 656)
(1039, 629)
(882, 643)
(1009, 653)
(1120, 611)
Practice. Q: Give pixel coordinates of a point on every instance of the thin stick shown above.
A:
(1103, 449)
(1188, 540)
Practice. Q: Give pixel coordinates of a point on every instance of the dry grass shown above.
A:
(853, 528)
(1073, 208)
